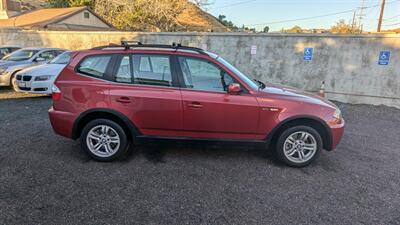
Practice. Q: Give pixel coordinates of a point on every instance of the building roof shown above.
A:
(42, 17)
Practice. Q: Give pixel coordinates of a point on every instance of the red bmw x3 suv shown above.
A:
(112, 97)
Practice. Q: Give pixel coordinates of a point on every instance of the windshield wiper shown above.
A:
(261, 84)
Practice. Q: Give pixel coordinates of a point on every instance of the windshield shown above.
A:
(20, 55)
(64, 58)
(242, 76)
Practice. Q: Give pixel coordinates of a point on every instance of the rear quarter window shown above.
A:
(95, 66)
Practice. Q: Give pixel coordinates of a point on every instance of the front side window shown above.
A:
(203, 75)
(94, 65)
(152, 70)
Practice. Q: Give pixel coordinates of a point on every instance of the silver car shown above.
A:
(21, 59)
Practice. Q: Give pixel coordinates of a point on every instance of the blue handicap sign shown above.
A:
(308, 54)
(384, 58)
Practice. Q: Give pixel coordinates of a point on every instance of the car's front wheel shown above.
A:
(104, 140)
(14, 84)
(299, 146)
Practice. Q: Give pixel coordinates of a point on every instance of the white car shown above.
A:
(40, 79)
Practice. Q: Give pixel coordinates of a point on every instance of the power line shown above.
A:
(315, 17)
(389, 25)
(393, 17)
(234, 4)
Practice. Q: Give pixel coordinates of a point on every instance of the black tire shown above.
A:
(279, 148)
(120, 152)
(13, 83)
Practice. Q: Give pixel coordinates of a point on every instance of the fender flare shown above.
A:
(129, 124)
(327, 139)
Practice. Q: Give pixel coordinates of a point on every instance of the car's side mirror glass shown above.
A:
(234, 88)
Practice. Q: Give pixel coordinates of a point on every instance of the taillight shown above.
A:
(56, 93)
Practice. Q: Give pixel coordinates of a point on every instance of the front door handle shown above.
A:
(124, 100)
(196, 105)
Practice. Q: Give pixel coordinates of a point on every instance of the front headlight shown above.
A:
(337, 115)
(42, 78)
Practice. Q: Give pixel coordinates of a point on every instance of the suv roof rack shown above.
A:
(136, 44)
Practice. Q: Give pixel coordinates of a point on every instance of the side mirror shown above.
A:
(40, 59)
(234, 88)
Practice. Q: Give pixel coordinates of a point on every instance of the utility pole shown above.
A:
(353, 23)
(361, 15)
(381, 16)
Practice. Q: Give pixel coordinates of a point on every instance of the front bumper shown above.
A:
(27, 83)
(337, 131)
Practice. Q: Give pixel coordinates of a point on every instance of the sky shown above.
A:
(274, 13)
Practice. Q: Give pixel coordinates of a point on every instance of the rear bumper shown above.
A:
(62, 122)
(337, 131)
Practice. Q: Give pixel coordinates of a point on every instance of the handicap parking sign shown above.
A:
(308, 54)
(384, 57)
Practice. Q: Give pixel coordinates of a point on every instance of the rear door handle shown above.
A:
(124, 100)
(196, 105)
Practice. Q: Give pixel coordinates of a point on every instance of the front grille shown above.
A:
(40, 89)
(24, 88)
(19, 77)
(27, 78)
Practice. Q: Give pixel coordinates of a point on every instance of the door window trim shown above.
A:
(119, 57)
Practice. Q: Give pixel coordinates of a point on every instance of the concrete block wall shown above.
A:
(347, 64)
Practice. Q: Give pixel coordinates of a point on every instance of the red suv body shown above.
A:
(114, 97)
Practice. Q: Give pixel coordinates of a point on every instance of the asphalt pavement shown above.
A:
(47, 179)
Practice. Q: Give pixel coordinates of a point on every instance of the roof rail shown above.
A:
(136, 44)
(111, 45)
(132, 44)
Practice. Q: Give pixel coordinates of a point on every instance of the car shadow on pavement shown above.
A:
(157, 153)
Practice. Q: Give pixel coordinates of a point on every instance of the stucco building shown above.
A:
(74, 18)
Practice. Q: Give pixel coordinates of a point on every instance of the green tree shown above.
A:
(341, 27)
(69, 3)
(227, 23)
(141, 15)
(295, 29)
(57, 3)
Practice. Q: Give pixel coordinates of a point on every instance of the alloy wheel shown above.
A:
(103, 141)
(300, 147)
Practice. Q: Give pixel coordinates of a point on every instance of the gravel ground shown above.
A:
(8, 93)
(46, 179)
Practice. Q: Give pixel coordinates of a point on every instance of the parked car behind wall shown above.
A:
(21, 59)
(39, 79)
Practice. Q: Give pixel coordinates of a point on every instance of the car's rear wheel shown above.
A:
(299, 146)
(104, 140)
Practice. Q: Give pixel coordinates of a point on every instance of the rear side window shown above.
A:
(144, 69)
(152, 70)
(94, 65)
